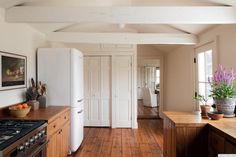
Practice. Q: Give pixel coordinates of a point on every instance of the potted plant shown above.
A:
(203, 105)
(223, 92)
(32, 95)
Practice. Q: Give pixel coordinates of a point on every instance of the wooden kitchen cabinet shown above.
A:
(58, 132)
(219, 143)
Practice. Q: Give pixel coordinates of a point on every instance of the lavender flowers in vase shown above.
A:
(223, 91)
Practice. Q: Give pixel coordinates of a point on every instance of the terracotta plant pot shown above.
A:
(34, 104)
(215, 115)
(204, 110)
(226, 106)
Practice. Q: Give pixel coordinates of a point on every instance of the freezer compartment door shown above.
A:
(77, 128)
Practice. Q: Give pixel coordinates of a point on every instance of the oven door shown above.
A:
(39, 151)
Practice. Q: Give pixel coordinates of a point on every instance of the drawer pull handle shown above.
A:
(65, 117)
(54, 126)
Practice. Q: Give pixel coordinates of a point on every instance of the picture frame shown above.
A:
(13, 71)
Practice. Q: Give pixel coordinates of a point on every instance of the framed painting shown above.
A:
(13, 71)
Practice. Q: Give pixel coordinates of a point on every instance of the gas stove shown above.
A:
(19, 137)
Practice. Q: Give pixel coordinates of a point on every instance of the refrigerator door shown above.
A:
(77, 127)
(77, 88)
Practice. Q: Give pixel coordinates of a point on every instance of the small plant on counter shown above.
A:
(32, 95)
(204, 107)
(201, 99)
(32, 92)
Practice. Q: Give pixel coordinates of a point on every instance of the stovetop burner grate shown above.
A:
(12, 130)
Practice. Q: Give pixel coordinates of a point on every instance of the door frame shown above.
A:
(161, 58)
(214, 42)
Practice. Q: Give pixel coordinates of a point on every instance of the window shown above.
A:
(204, 66)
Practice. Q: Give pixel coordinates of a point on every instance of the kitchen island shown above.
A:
(186, 134)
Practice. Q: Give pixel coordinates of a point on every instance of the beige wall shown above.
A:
(179, 80)
(147, 51)
(19, 39)
(179, 68)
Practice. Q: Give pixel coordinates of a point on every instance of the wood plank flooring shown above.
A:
(146, 141)
(147, 112)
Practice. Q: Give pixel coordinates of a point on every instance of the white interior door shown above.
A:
(122, 91)
(97, 78)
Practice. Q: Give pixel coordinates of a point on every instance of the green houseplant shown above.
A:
(223, 91)
(203, 105)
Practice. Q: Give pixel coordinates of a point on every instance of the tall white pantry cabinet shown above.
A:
(102, 74)
(108, 88)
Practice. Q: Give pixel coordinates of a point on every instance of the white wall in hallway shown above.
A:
(19, 39)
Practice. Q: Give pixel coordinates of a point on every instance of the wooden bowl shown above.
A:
(19, 112)
(215, 115)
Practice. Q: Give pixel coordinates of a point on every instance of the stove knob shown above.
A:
(36, 137)
(31, 140)
(40, 134)
(43, 132)
(21, 148)
(27, 144)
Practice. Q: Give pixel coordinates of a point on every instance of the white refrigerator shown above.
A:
(62, 70)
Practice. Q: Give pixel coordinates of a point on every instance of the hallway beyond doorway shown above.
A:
(145, 112)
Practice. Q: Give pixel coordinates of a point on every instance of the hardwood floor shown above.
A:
(145, 112)
(146, 141)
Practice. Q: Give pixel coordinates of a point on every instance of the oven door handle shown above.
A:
(41, 146)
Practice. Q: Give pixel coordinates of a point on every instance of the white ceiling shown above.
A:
(118, 28)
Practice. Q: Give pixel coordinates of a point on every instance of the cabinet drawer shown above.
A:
(53, 127)
(64, 117)
(216, 142)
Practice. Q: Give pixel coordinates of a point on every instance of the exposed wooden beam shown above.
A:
(124, 15)
(225, 2)
(11, 3)
(122, 38)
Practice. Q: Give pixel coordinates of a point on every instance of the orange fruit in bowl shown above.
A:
(19, 107)
(25, 105)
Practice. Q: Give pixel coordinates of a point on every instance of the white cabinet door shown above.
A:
(105, 90)
(122, 81)
(97, 78)
(95, 88)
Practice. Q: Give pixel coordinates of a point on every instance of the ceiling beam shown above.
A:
(11, 3)
(124, 15)
(225, 2)
(122, 38)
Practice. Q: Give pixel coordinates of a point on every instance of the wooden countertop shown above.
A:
(48, 114)
(226, 125)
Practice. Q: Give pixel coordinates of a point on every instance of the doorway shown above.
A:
(148, 88)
